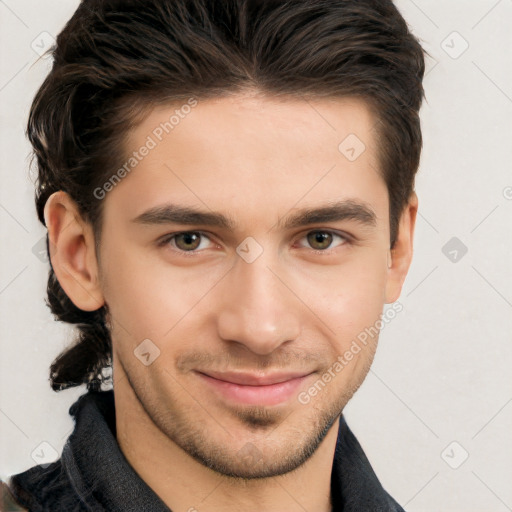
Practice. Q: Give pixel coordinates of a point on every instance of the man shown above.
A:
(228, 188)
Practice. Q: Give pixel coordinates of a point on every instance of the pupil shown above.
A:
(188, 239)
(320, 240)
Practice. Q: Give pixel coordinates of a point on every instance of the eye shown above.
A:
(321, 240)
(187, 241)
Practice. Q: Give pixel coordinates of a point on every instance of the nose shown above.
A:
(257, 309)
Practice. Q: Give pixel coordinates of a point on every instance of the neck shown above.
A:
(184, 484)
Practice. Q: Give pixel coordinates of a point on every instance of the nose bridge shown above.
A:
(257, 310)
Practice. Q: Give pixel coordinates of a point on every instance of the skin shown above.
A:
(292, 308)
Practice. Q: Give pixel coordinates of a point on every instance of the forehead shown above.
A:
(238, 151)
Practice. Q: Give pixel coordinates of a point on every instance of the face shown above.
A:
(264, 257)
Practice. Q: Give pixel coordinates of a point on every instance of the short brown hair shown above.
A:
(117, 58)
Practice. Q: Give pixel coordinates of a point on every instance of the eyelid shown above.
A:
(166, 240)
(347, 239)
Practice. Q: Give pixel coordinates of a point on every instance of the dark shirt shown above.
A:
(93, 474)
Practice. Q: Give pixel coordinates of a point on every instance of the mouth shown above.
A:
(252, 388)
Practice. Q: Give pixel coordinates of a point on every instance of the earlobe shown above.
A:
(72, 252)
(400, 257)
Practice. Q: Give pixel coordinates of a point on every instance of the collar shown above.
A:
(97, 468)
(354, 485)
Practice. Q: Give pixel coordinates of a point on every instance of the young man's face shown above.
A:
(260, 297)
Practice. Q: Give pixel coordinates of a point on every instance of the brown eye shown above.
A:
(319, 240)
(187, 241)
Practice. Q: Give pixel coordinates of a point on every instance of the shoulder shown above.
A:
(8, 502)
(41, 488)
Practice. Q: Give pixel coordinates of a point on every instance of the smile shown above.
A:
(251, 389)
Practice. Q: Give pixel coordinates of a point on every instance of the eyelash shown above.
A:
(345, 240)
(168, 238)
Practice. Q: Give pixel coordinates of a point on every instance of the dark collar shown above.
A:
(96, 465)
(94, 470)
(354, 485)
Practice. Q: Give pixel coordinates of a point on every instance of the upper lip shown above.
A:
(255, 379)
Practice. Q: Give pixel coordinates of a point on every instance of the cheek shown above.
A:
(351, 310)
(148, 300)
(133, 295)
(348, 301)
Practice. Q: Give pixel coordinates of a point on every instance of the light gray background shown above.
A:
(442, 373)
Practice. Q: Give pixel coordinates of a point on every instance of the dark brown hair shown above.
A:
(117, 58)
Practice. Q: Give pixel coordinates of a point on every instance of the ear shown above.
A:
(72, 252)
(401, 254)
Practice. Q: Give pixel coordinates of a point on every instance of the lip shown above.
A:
(255, 379)
(255, 389)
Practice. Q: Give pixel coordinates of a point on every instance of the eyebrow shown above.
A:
(176, 214)
(337, 211)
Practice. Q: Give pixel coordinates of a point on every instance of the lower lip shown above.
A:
(271, 394)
